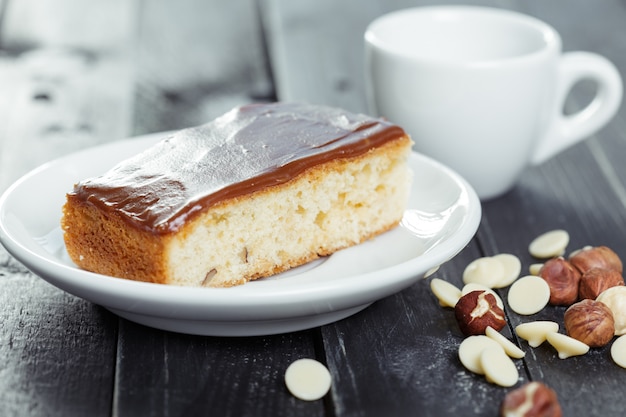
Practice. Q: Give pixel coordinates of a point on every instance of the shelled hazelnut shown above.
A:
(563, 280)
(477, 310)
(532, 399)
(596, 280)
(595, 257)
(591, 322)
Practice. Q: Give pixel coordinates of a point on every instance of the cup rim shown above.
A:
(550, 35)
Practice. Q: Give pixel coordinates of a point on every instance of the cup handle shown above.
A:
(567, 130)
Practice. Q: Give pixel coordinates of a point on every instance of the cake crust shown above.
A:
(331, 203)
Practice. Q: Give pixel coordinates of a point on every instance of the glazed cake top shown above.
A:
(245, 150)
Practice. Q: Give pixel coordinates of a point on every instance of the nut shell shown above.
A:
(596, 257)
(563, 280)
(596, 280)
(534, 399)
(590, 322)
(477, 310)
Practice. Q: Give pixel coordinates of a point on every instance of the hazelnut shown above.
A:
(563, 280)
(595, 257)
(590, 322)
(596, 280)
(477, 310)
(533, 399)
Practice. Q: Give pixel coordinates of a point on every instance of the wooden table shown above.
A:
(75, 74)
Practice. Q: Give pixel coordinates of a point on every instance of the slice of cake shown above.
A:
(261, 189)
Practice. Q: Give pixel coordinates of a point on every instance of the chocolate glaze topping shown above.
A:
(245, 150)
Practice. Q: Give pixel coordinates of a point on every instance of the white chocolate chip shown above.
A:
(534, 269)
(512, 267)
(486, 271)
(549, 244)
(446, 293)
(618, 351)
(566, 346)
(509, 347)
(535, 332)
(529, 295)
(307, 379)
(498, 367)
(615, 299)
(470, 350)
(431, 271)
(472, 286)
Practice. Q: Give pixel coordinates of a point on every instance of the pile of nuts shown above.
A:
(589, 282)
(591, 285)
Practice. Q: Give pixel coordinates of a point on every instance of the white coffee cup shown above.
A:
(482, 89)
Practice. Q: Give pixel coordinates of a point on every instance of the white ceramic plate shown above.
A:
(442, 217)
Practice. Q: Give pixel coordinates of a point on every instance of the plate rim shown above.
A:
(67, 277)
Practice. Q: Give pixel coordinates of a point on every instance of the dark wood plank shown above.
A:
(397, 356)
(163, 374)
(65, 77)
(196, 60)
(192, 65)
(64, 86)
(582, 192)
(571, 201)
(57, 350)
(316, 53)
(317, 47)
(401, 355)
(407, 342)
(545, 211)
(3, 5)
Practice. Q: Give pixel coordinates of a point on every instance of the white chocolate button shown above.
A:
(615, 299)
(535, 332)
(549, 244)
(446, 293)
(618, 351)
(472, 286)
(431, 271)
(511, 266)
(534, 269)
(470, 350)
(307, 379)
(509, 347)
(498, 367)
(566, 346)
(529, 295)
(486, 271)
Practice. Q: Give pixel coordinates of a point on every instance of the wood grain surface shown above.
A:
(75, 74)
